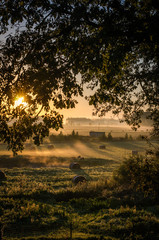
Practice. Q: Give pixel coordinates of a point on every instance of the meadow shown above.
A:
(38, 199)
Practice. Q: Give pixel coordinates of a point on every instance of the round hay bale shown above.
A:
(102, 147)
(50, 146)
(2, 176)
(74, 166)
(78, 179)
(157, 153)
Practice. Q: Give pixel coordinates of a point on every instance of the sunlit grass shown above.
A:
(43, 202)
(40, 201)
(63, 151)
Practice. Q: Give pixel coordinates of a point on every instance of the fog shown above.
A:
(61, 155)
(65, 150)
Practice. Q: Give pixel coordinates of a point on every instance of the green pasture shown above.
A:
(43, 203)
(38, 199)
(63, 152)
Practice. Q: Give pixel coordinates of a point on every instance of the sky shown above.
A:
(82, 109)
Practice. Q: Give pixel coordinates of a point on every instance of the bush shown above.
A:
(110, 136)
(126, 136)
(140, 174)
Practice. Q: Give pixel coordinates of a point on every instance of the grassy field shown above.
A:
(60, 153)
(39, 200)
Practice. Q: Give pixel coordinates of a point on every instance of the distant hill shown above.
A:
(88, 121)
(105, 121)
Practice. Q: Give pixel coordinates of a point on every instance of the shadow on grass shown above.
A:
(81, 172)
(7, 161)
(22, 161)
(94, 162)
(129, 145)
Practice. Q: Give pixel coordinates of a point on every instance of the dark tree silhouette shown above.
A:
(113, 44)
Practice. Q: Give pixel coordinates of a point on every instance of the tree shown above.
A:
(73, 133)
(126, 136)
(110, 136)
(113, 44)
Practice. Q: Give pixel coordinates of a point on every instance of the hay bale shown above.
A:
(2, 176)
(74, 166)
(102, 147)
(134, 152)
(78, 179)
(50, 146)
(157, 153)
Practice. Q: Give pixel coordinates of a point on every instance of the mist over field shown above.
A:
(117, 130)
(60, 149)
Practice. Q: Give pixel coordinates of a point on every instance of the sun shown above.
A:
(20, 101)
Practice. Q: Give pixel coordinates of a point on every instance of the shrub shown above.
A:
(110, 136)
(140, 174)
(126, 136)
(73, 133)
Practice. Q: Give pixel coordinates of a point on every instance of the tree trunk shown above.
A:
(1, 231)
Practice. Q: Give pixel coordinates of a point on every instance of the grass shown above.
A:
(63, 151)
(39, 200)
(42, 203)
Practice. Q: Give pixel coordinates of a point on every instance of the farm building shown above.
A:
(96, 134)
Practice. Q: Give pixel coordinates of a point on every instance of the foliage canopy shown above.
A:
(113, 44)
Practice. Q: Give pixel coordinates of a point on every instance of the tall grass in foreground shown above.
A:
(44, 203)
